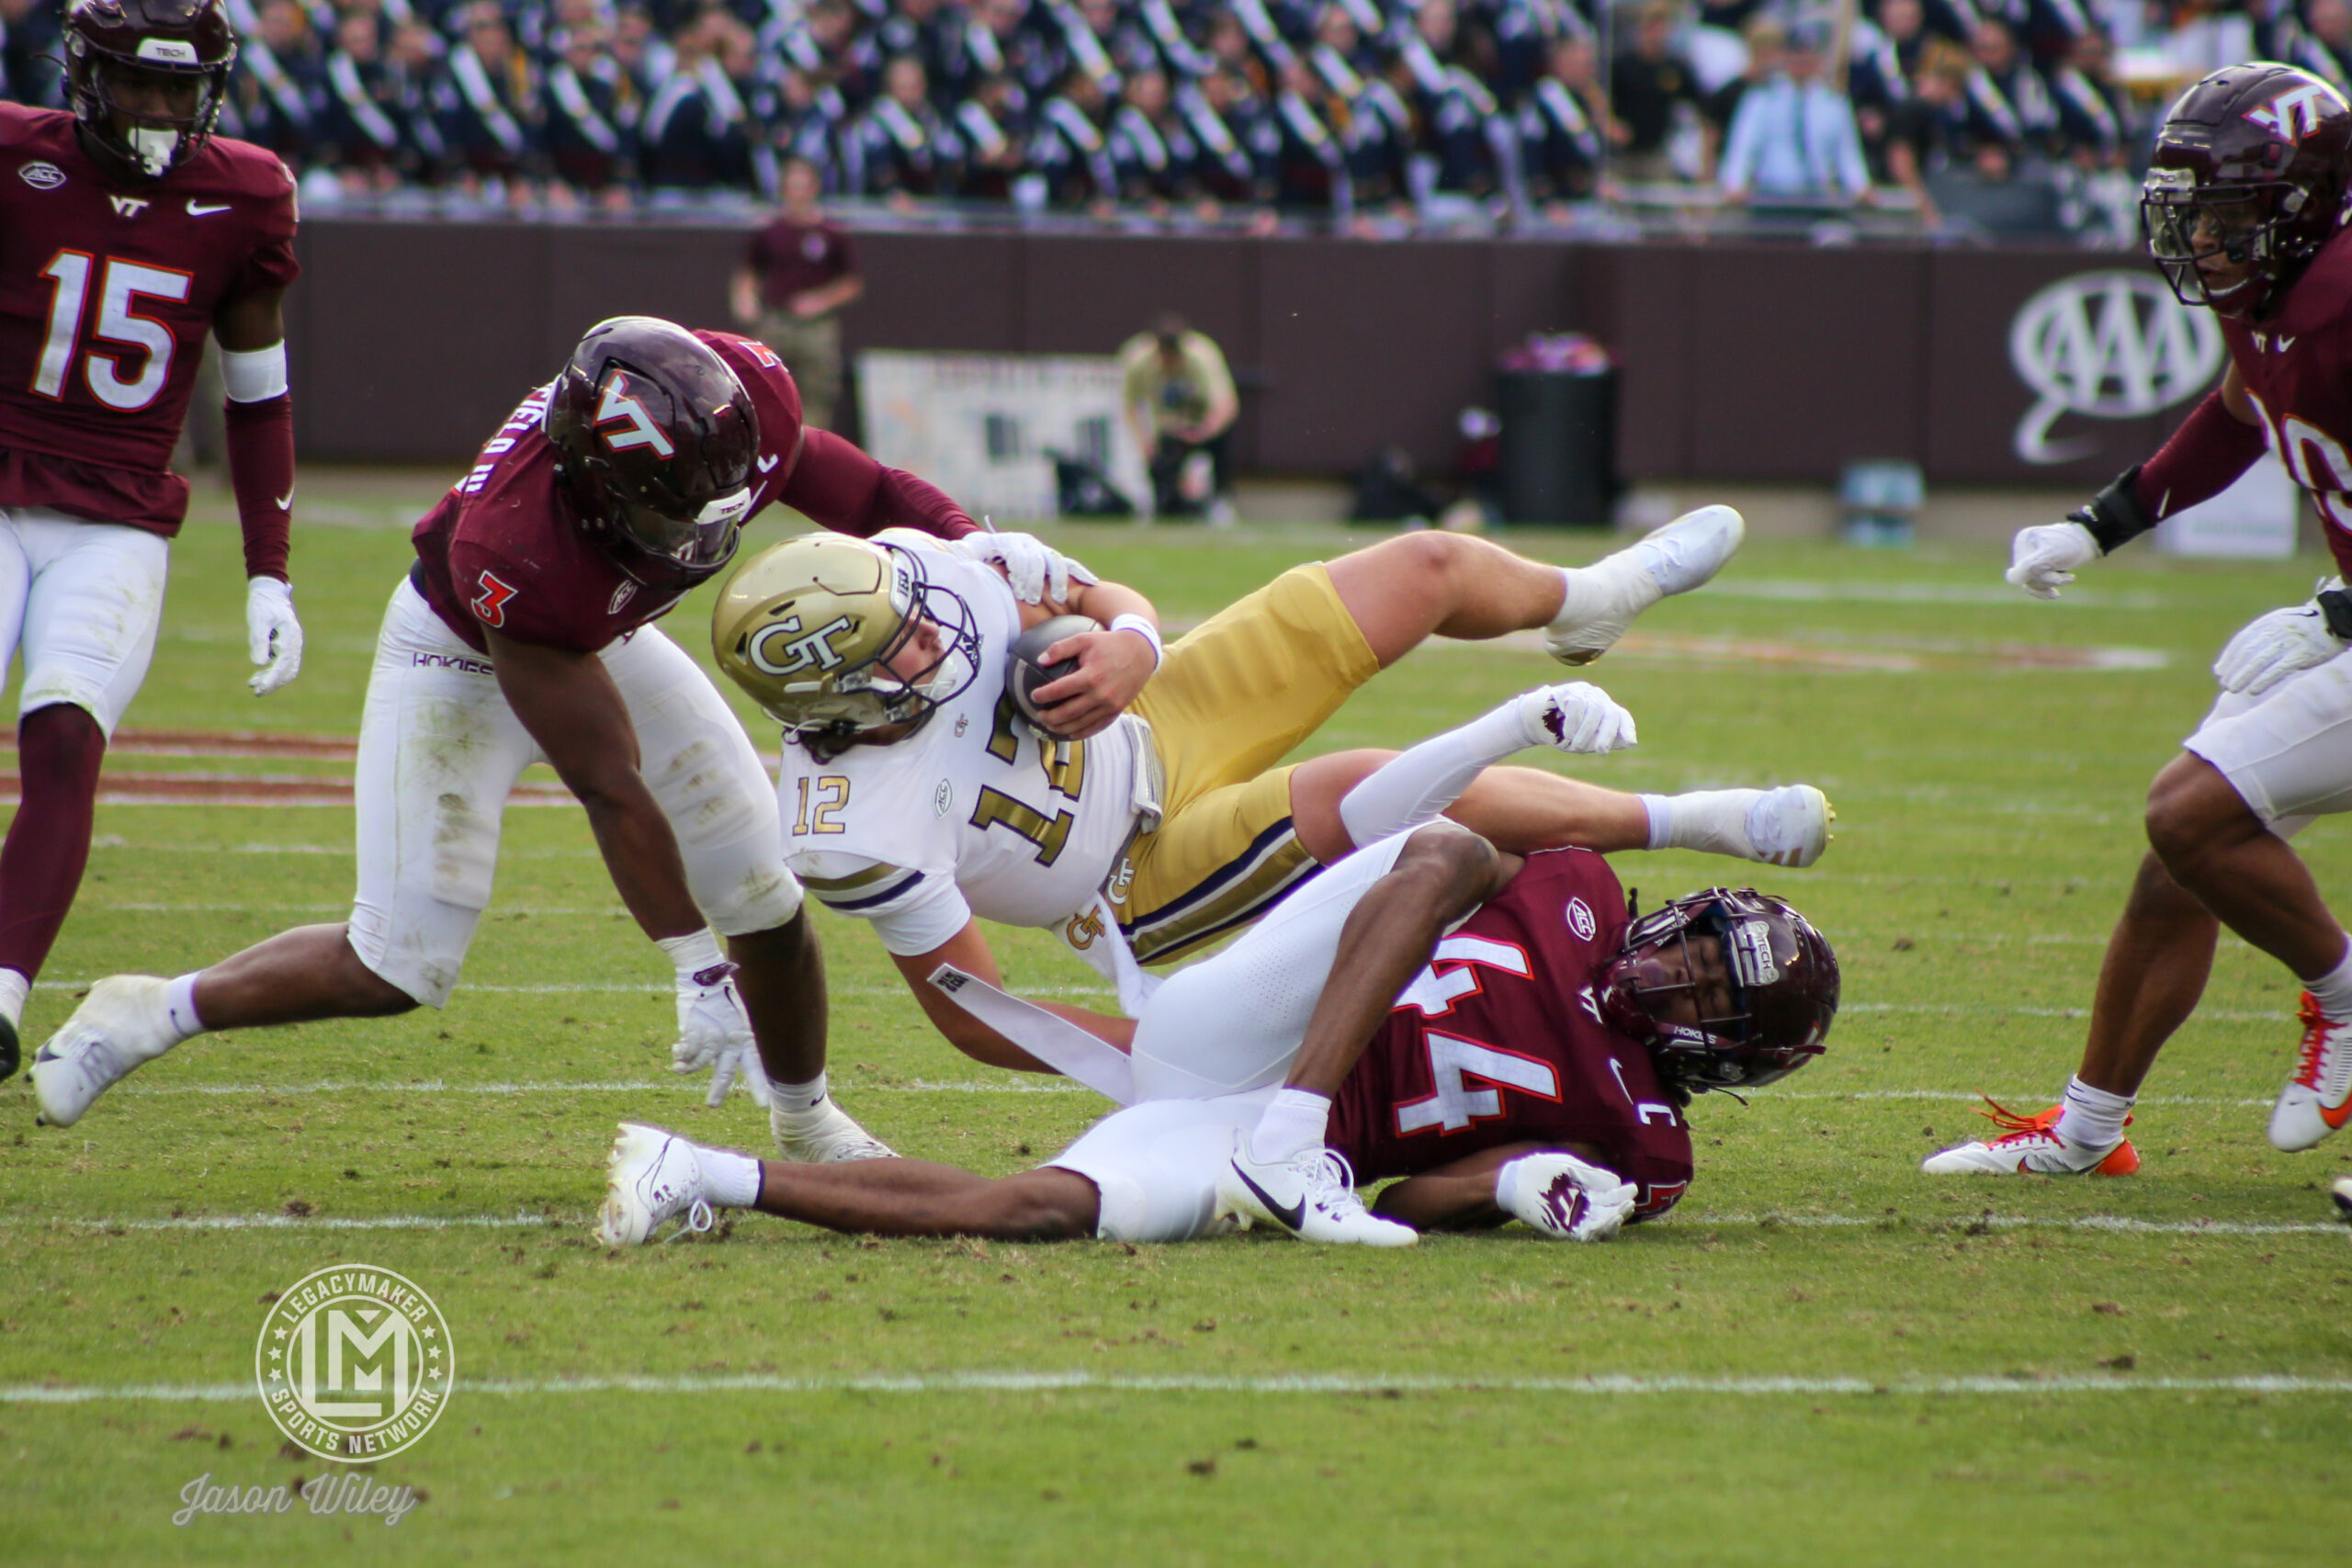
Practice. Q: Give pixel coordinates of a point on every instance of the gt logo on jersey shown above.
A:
(490, 604)
(801, 651)
(638, 429)
(2294, 114)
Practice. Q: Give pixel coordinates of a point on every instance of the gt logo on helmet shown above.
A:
(2295, 113)
(801, 651)
(618, 407)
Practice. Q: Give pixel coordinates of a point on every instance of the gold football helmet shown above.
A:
(808, 626)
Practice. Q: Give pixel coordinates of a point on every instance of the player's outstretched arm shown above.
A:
(569, 703)
(260, 435)
(1558, 1191)
(967, 950)
(2218, 442)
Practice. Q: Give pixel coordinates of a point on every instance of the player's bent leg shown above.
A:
(723, 808)
(60, 749)
(127, 1021)
(1418, 585)
(1524, 809)
(2213, 842)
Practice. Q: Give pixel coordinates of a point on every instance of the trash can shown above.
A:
(1559, 438)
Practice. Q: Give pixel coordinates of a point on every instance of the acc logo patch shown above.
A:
(943, 799)
(41, 174)
(1580, 919)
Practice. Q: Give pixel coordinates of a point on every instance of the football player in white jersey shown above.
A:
(916, 797)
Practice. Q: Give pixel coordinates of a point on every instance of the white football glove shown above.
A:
(2042, 559)
(1037, 570)
(2270, 648)
(273, 637)
(1564, 1197)
(713, 1031)
(1575, 716)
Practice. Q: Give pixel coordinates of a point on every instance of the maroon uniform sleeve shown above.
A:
(840, 488)
(2203, 458)
(260, 438)
(271, 264)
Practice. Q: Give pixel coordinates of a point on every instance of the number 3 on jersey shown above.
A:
(120, 284)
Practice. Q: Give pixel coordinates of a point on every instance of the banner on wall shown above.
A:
(986, 427)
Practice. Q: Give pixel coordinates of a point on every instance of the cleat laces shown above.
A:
(2314, 1048)
(2021, 1128)
(698, 1220)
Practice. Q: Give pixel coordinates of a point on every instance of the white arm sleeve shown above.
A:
(1418, 785)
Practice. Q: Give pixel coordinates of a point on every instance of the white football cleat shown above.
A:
(1312, 1196)
(2033, 1147)
(2342, 1193)
(122, 1024)
(823, 1134)
(1789, 826)
(650, 1178)
(1603, 598)
(2318, 1099)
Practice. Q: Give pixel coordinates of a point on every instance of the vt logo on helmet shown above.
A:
(2248, 181)
(839, 638)
(147, 79)
(1728, 988)
(655, 442)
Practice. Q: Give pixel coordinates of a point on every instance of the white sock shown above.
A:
(729, 1180)
(1293, 1123)
(799, 1096)
(14, 988)
(180, 1021)
(2093, 1116)
(1713, 820)
(2333, 990)
(1415, 786)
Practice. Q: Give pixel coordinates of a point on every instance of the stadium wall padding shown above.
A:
(411, 341)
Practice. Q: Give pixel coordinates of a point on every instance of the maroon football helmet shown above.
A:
(1778, 974)
(655, 440)
(2251, 163)
(107, 41)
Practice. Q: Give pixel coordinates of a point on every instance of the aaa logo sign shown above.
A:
(2110, 345)
(355, 1363)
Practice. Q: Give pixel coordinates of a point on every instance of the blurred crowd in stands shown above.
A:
(1359, 113)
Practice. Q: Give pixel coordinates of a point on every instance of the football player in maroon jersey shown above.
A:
(523, 633)
(1498, 1030)
(127, 232)
(2245, 207)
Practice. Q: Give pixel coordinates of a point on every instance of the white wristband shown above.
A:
(1145, 630)
(255, 376)
(693, 952)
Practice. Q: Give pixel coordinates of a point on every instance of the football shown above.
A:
(1029, 670)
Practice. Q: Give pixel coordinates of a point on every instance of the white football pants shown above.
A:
(83, 600)
(439, 752)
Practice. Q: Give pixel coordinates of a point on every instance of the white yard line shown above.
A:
(2102, 1224)
(1343, 1383)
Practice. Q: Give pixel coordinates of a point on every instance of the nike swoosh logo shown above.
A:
(767, 464)
(1287, 1218)
(199, 210)
(286, 501)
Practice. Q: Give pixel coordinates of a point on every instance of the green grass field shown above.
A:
(1820, 1358)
